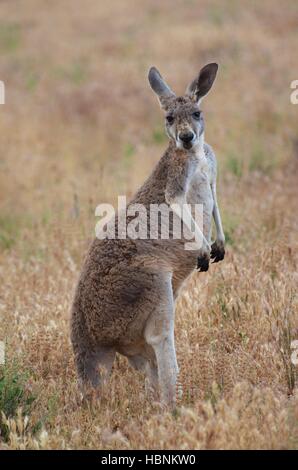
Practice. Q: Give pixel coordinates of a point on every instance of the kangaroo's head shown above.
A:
(183, 117)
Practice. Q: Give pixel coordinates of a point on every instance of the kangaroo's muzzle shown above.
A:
(187, 139)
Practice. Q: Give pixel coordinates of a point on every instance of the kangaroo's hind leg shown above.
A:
(159, 333)
(94, 367)
(93, 361)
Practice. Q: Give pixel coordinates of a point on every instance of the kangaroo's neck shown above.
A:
(198, 149)
(153, 189)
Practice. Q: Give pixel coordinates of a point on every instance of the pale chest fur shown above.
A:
(199, 192)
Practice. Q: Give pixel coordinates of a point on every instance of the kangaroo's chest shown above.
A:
(199, 189)
(199, 196)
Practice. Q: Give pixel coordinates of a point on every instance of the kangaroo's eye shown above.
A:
(170, 119)
(196, 115)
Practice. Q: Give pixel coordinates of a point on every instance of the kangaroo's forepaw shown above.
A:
(203, 262)
(217, 251)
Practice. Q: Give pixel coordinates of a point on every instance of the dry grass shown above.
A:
(80, 127)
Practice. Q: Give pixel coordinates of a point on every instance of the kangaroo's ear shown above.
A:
(160, 87)
(203, 83)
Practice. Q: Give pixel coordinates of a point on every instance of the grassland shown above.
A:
(80, 126)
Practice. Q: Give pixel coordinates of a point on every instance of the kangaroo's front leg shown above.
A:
(180, 207)
(218, 247)
(177, 186)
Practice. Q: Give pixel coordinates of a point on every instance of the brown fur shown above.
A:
(124, 282)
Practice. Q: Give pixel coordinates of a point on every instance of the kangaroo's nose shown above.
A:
(186, 137)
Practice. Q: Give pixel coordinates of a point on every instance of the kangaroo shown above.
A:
(125, 298)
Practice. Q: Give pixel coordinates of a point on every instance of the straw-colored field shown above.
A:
(80, 126)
